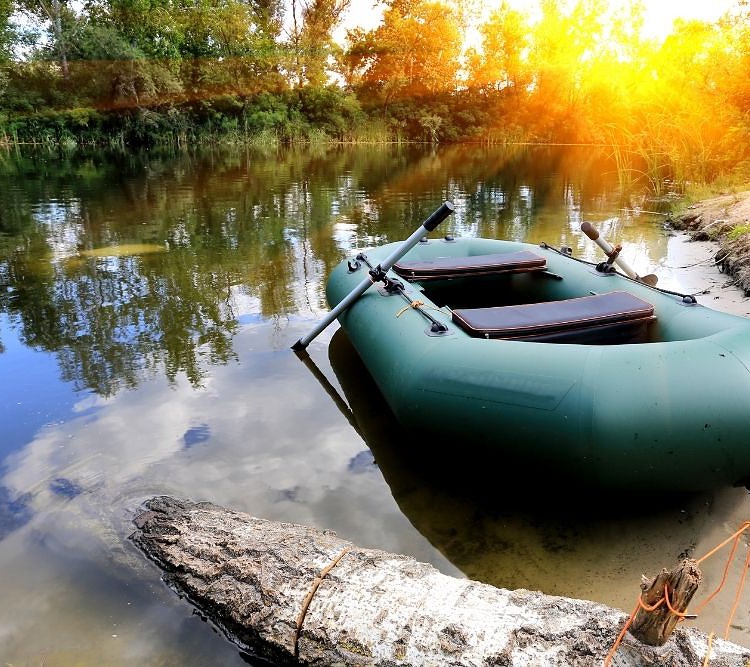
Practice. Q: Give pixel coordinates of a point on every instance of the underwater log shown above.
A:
(293, 595)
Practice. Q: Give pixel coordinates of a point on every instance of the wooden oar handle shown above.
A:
(590, 231)
(614, 254)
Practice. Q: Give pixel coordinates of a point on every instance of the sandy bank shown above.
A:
(711, 251)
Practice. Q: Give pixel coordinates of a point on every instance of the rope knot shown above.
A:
(414, 304)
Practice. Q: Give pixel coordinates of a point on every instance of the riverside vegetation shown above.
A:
(143, 72)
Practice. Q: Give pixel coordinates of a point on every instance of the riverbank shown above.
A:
(712, 251)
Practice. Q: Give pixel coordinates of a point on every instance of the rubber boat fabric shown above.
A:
(542, 361)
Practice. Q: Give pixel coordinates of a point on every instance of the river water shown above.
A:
(147, 306)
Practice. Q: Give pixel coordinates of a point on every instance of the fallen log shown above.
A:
(294, 595)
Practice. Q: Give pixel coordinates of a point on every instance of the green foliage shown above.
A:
(149, 72)
(267, 113)
(330, 109)
(8, 33)
(739, 230)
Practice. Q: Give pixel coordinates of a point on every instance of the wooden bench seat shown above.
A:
(614, 317)
(442, 268)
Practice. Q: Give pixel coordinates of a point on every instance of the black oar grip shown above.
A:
(590, 231)
(438, 216)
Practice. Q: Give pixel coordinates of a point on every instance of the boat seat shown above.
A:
(442, 268)
(614, 317)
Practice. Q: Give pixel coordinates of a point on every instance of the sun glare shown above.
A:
(658, 15)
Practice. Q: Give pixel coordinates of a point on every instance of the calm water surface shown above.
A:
(147, 306)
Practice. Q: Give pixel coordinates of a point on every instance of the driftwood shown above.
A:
(297, 595)
(653, 626)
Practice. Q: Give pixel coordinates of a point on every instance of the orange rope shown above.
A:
(736, 538)
(621, 636)
(414, 304)
(737, 594)
(640, 604)
(653, 607)
(708, 650)
(419, 304)
(736, 534)
(682, 615)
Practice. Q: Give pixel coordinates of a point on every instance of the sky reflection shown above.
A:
(275, 450)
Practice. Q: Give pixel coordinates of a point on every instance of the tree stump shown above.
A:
(298, 595)
(654, 627)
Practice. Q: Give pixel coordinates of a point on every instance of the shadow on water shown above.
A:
(515, 525)
(15, 511)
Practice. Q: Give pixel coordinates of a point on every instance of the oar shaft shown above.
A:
(342, 305)
(591, 231)
(435, 218)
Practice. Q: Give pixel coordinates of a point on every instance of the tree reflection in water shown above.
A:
(239, 232)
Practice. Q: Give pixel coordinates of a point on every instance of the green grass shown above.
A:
(736, 232)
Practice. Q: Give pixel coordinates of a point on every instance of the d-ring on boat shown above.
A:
(518, 353)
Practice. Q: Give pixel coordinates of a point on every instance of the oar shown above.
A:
(427, 226)
(329, 389)
(591, 231)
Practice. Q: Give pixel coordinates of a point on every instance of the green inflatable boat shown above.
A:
(517, 354)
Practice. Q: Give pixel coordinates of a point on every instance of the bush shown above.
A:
(330, 109)
(265, 113)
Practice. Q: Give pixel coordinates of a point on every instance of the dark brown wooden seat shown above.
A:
(614, 317)
(442, 268)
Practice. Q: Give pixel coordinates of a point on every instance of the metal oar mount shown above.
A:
(613, 253)
(375, 274)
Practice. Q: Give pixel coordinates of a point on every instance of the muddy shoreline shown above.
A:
(709, 254)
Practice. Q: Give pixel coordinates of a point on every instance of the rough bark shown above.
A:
(254, 579)
(654, 627)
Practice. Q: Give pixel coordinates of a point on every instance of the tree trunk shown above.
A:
(61, 48)
(298, 595)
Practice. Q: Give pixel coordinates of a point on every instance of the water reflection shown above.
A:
(140, 264)
(147, 306)
(14, 511)
(512, 528)
(257, 438)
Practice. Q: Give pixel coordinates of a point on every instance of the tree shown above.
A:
(311, 39)
(565, 42)
(211, 47)
(735, 30)
(59, 16)
(7, 31)
(412, 54)
(690, 114)
(499, 64)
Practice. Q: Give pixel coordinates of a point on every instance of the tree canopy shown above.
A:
(431, 70)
